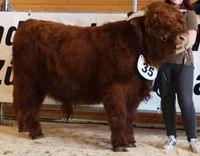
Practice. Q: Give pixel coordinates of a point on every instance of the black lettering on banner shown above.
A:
(197, 87)
(7, 80)
(11, 30)
(20, 22)
(1, 33)
(196, 44)
(10, 33)
(2, 62)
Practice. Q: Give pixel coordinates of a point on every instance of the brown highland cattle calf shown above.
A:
(89, 65)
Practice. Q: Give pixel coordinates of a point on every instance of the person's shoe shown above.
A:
(170, 143)
(194, 146)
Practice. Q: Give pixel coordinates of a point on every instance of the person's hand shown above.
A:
(180, 49)
(185, 45)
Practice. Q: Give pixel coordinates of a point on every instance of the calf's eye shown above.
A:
(164, 38)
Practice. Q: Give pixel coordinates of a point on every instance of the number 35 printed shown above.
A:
(147, 69)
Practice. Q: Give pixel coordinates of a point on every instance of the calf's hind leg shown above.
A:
(27, 101)
(131, 109)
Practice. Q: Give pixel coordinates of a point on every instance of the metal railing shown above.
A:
(134, 5)
(6, 5)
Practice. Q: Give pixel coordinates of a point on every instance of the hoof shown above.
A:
(132, 145)
(21, 130)
(120, 149)
(36, 135)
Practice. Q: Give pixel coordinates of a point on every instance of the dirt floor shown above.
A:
(85, 139)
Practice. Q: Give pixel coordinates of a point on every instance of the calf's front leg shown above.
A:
(115, 106)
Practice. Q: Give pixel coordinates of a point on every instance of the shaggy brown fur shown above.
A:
(89, 65)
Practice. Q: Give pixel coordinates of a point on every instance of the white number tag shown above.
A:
(147, 71)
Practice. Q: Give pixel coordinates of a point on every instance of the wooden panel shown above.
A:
(78, 5)
(52, 113)
(73, 5)
(1, 5)
(72, 2)
(72, 8)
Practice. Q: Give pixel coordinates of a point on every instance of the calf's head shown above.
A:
(164, 29)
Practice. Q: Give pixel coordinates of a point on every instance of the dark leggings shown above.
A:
(180, 83)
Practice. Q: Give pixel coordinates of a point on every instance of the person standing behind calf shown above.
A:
(177, 77)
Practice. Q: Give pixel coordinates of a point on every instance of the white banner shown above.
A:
(11, 20)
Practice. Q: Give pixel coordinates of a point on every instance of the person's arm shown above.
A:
(192, 34)
(192, 27)
(191, 21)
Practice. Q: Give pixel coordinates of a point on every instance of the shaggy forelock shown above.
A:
(166, 16)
